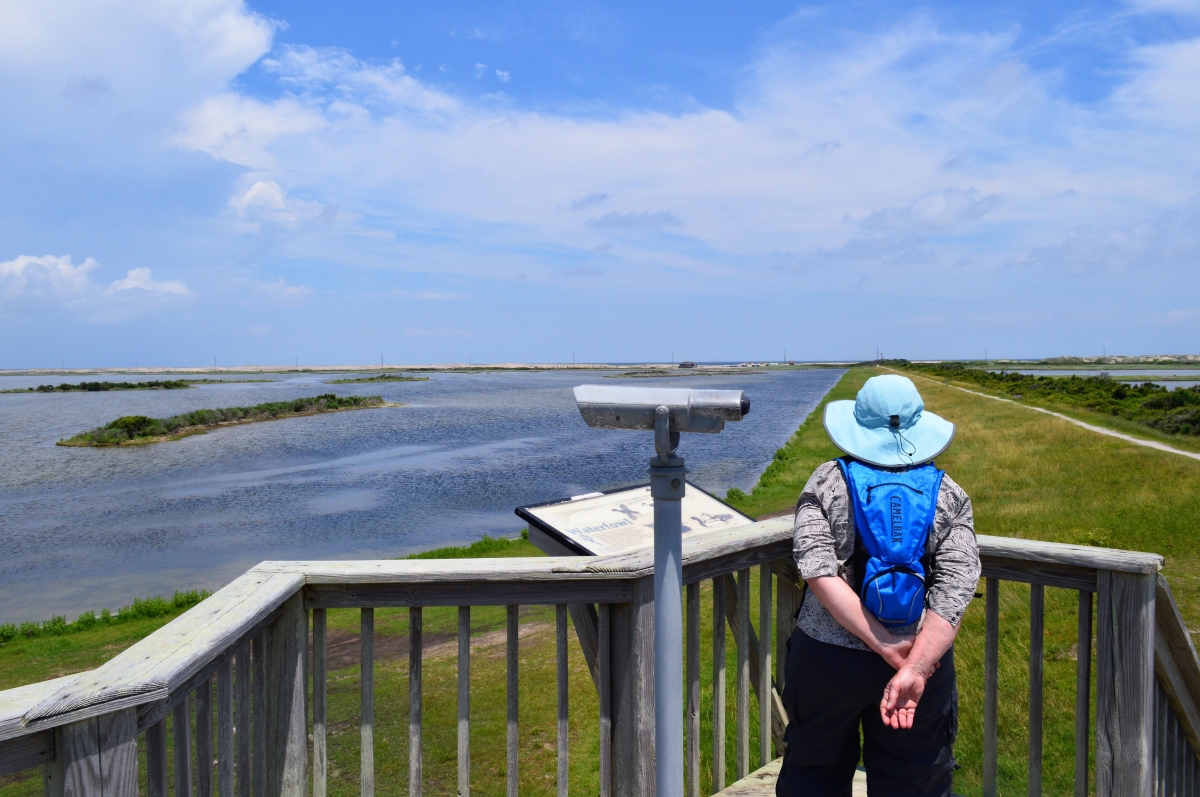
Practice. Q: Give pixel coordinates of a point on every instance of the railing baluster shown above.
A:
(320, 702)
(1083, 692)
(366, 703)
(742, 728)
(242, 731)
(225, 729)
(513, 685)
(258, 685)
(692, 772)
(415, 636)
(204, 757)
(1160, 740)
(604, 673)
(991, 663)
(156, 759)
(1169, 749)
(182, 730)
(1037, 617)
(464, 701)
(560, 617)
(765, 696)
(1177, 759)
(718, 727)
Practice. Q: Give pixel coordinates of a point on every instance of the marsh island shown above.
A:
(140, 429)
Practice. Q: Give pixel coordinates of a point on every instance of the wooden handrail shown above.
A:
(267, 606)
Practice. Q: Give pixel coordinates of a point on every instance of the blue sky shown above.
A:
(332, 183)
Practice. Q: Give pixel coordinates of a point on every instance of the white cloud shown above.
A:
(284, 294)
(47, 275)
(936, 209)
(139, 279)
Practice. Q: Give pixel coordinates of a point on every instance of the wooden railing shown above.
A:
(251, 642)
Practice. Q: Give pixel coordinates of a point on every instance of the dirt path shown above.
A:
(342, 647)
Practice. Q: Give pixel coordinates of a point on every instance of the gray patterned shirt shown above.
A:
(823, 545)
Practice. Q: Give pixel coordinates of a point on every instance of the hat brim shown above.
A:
(929, 436)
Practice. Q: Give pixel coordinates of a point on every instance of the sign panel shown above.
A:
(620, 520)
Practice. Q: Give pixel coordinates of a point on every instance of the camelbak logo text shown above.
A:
(897, 522)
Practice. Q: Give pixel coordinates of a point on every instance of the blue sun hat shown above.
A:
(887, 425)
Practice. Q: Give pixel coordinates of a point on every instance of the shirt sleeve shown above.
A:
(813, 544)
(955, 555)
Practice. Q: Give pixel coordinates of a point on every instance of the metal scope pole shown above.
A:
(667, 487)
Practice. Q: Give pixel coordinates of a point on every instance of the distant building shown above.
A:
(687, 364)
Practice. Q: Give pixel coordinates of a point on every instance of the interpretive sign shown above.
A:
(618, 520)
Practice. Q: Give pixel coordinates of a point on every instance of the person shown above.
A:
(846, 667)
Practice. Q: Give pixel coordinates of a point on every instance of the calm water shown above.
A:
(89, 528)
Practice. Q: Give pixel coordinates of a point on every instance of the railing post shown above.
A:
(1125, 684)
(285, 646)
(632, 647)
(96, 758)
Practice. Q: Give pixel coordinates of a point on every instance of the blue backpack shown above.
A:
(893, 513)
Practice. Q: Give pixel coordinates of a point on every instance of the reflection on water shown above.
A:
(87, 528)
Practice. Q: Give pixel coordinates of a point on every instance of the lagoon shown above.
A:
(91, 528)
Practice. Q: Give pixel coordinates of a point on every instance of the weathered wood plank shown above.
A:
(464, 701)
(23, 752)
(181, 728)
(633, 692)
(243, 731)
(1174, 686)
(604, 673)
(765, 706)
(733, 614)
(564, 729)
(258, 711)
(163, 662)
(118, 753)
(286, 647)
(1047, 575)
(718, 658)
(1083, 692)
(225, 730)
(1125, 684)
(15, 703)
(1058, 553)
(366, 704)
(78, 746)
(204, 756)
(156, 759)
(1037, 637)
(352, 595)
(1170, 624)
(742, 722)
(512, 697)
(788, 598)
(692, 772)
(583, 617)
(320, 679)
(991, 674)
(415, 640)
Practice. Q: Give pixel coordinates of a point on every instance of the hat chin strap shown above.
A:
(901, 441)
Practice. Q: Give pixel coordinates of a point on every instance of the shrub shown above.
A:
(132, 425)
(86, 620)
(105, 616)
(735, 494)
(7, 632)
(55, 626)
(30, 629)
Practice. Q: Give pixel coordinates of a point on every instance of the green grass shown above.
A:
(380, 378)
(140, 429)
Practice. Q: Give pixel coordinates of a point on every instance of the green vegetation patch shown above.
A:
(380, 378)
(1172, 412)
(138, 429)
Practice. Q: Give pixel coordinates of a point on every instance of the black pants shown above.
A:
(828, 692)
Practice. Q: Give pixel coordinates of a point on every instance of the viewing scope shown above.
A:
(705, 411)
